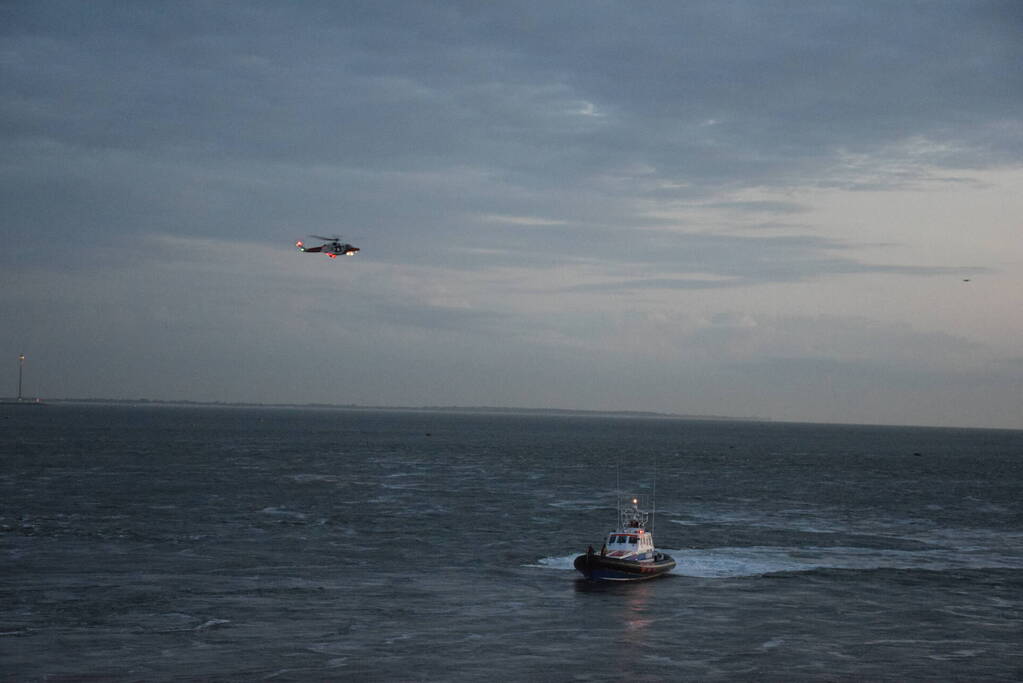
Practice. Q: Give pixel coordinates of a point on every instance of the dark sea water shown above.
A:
(158, 543)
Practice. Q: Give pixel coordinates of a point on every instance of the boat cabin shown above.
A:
(630, 540)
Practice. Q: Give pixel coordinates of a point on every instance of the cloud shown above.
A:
(445, 82)
(760, 207)
(251, 118)
(521, 220)
(517, 175)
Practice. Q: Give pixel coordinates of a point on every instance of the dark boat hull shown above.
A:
(602, 568)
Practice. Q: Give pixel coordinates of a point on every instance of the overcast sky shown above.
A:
(726, 207)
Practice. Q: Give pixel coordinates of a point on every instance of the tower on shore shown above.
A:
(21, 366)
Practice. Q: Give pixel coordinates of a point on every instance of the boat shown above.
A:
(628, 554)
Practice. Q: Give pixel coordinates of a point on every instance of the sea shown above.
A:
(154, 542)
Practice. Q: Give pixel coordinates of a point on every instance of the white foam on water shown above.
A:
(787, 521)
(755, 561)
(311, 478)
(281, 512)
(734, 562)
(563, 562)
(574, 505)
(212, 623)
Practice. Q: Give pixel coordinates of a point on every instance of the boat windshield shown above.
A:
(621, 539)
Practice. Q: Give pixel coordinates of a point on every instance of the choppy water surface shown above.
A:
(158, 542)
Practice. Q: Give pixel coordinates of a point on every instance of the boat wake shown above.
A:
(719, 563)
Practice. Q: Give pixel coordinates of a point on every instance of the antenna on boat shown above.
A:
(618, 475)
(653, 513)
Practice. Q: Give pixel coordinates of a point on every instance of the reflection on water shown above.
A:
(626, 610)
(636, 612)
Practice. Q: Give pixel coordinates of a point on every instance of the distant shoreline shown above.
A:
(498, 410)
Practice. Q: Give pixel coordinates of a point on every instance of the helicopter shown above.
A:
(332, 247)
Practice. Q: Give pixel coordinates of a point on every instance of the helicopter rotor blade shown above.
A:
(326, 239)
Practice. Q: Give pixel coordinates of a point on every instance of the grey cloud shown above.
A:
(445, 80)
(203, 118)
(778, 273)
(660, 283)
(760, 207)
(400, 124)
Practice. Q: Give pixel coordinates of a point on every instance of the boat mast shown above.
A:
(618, 484)
(653, 513)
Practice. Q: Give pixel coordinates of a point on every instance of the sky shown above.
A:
(804, 211)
